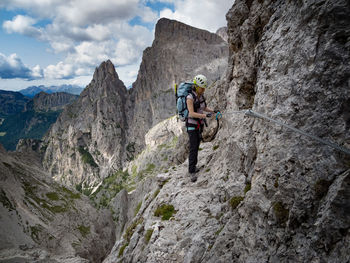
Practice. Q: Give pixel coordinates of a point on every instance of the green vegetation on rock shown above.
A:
(165, 211)
(148, 235)
(87, 157)
(122, 248)
(84, 230)
(235, 201)
(130, 230)
(137, 209)
(247, 188)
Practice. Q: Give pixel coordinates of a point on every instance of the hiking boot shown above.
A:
(193, 177)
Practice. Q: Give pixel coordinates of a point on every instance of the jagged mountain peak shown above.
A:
(172, 30)
(106, 69)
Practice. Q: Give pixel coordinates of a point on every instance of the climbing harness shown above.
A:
(252, 113)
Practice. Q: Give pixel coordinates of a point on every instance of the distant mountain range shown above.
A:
(23, 117)
(33, 90)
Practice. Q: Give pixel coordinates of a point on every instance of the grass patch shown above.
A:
(156, 192)
(148, 235)
(53, 196)
(137, 209)
(121, 250)
(215, 147)
(235, 201)
(165, 211)
(87, 157)
(247, 188)
(70, 194)
(130, 230)
(208, 170)
(84, 230)
(219, 231)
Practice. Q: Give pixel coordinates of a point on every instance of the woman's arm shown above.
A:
(208, 109)
(191, 112)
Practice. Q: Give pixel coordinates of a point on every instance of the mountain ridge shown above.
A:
(33, 90)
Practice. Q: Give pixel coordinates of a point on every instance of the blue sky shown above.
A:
(54, 42)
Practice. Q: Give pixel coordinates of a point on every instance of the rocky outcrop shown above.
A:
(104, 129)
(12, 102)
(177, 54)
(52, 102)
(222, 32)
(264, 193)
(42, 221)
(88, 140)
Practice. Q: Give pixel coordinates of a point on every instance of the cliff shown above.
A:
(264, 193)
(52, 102)
(104, 129)
(88, 139)
(42, 221)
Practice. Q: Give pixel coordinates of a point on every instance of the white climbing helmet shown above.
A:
(200, 81)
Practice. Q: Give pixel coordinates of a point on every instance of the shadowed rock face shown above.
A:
(52, 102)
(105, 127)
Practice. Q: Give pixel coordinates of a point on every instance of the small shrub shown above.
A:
(87, 157)
(165, 211)
(121, 250)
(219, 231)
(130, 230)
(137, 209)
(150, 167)
(235, 201)
(53, 196)
(215, 147)
(156, 193)
(84, 230)
(148, 235)
(247, 188)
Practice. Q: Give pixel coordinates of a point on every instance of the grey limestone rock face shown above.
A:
(104, 129)
(42, 221)
(264, 193)
(79, 148)
(52, 102)
(178, 53)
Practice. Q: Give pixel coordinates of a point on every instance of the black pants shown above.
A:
(195, 140)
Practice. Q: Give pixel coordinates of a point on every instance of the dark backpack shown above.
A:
(181, 92)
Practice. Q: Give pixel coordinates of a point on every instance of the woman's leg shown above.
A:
(193, 154)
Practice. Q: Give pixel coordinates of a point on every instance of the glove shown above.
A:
(209, 115)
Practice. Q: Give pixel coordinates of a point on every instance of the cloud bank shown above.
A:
(89, 32)
(12, 67)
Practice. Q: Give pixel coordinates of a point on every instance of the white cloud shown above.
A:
(12, 67)
(88, 32)
(205, 14)
(59, 71)
(23, 25)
